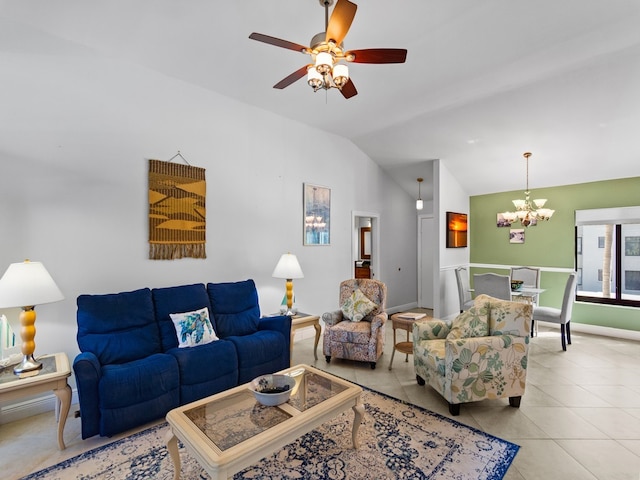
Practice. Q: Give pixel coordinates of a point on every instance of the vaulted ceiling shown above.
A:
(484, 80)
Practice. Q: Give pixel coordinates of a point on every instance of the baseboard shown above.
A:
(402, 308)
(598, 330)
(34, 406)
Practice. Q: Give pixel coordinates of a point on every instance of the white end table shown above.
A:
(52, 376)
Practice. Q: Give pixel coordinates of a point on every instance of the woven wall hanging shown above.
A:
(177, 210)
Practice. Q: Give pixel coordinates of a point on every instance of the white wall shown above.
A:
(451, 198)
(74, 192)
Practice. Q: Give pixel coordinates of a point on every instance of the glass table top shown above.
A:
(48, 366)
(234, 418)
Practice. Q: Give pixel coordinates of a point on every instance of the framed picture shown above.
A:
(516, 235)
(501, 221)
(456, 230)
(317, 215)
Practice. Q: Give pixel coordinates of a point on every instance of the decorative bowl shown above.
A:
(516, 285)
(271, 390)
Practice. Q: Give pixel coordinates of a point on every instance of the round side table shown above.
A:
(406, 347)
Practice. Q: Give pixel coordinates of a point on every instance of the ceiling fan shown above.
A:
(327, 52)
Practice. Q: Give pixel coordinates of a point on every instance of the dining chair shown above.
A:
(492, 284)
(464, 289)
(562, 315)
(530, 277)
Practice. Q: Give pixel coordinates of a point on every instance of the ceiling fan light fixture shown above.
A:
(340, 75)
(324, 63)
(314, 79)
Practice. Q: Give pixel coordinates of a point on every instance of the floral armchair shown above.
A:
(356, 331)
(482, 354)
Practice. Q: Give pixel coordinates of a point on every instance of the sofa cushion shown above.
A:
(470, 323)
(357, 306)
(183, 298)
(206, 369)
(265, 351)
(235, 307)
(193, 328)
(118, 327)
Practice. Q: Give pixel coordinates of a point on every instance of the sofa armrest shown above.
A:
(332, 318)
(378, 321)
(430, 330)
(88, 372)
(278, 323)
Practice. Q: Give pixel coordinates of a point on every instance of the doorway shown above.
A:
(365, 251)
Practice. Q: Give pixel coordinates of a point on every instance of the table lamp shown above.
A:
(288, 268)
(26, 285)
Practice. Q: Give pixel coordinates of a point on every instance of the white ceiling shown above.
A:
(484, 81)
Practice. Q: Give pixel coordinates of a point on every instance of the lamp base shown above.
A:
(28, 364)
(290, 312)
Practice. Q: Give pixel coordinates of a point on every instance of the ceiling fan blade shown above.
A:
(278, 42)
(295, 76)
(377, 55)
(349, 90)
(340, 20)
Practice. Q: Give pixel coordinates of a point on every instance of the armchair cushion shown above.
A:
(347, 332)
(357, 306)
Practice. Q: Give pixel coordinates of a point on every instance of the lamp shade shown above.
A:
(27, 284)
(287, 267)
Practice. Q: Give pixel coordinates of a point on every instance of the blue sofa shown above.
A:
(131, 371)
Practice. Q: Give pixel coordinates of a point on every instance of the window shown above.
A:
(609, 257)
(632, 280)
(632, 246)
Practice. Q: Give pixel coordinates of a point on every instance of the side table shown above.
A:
(406, 347)
(301, 320)
(53, 376)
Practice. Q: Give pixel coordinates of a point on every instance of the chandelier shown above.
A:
(528, 211)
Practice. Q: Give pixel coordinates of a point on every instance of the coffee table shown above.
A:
(230, 431)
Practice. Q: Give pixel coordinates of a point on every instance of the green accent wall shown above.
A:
(550, 244)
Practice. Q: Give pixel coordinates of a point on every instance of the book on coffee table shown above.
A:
(412, 315)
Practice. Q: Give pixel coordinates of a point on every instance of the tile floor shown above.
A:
(579, 418)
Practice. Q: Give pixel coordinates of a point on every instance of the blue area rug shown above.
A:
(397, 441)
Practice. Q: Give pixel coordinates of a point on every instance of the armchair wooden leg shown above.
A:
(569, 333)
(515, 401)
(373, 365)
(327, 358)
(563, 337)
(420, 380)
(454, 409)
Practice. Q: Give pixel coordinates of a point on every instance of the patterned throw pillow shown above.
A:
(470, 323)
(357, 306)
(193, 328)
